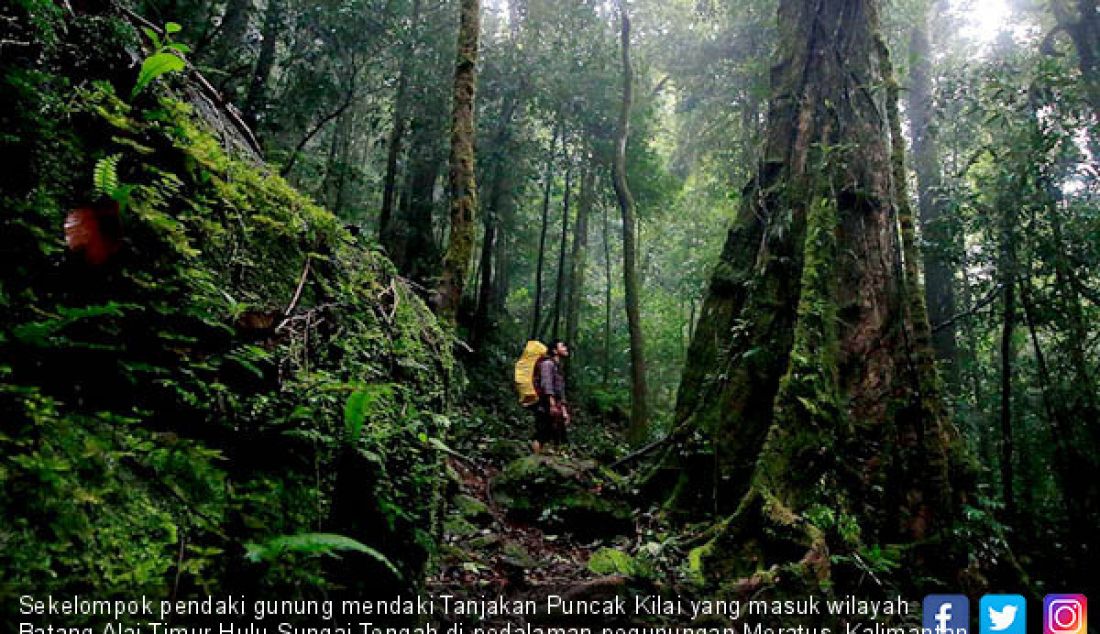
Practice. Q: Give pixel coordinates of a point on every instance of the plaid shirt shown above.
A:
(551, 382)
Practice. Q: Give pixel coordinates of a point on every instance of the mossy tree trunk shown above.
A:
(639, 392)
(460, 247)
(808, 415)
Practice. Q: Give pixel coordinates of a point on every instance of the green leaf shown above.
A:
(152, 35)
(608, 561)
(179, 47)
(105, 175)
(154, 66)
(362, 403)
(172, 27)
(313, 544)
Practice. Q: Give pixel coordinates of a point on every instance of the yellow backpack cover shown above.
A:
(525, 372)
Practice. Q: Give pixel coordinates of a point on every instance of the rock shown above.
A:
(472, 509)
(484, 542)
(515, 555)
(608, 561)
(504, 450)
(458, 526)
(556, 493)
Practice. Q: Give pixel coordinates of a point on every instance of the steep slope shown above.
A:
(206, 381)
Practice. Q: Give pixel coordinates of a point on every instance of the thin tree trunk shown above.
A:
(540, 265)
(639, 393)
(1008, 329)
(463, 176)
(397, 133)
(938, 271)
(559, 290)
(606, 300)
(257, 88)
(234, 26)
(480, 326)
(578, 258)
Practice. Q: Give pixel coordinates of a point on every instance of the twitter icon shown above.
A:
(1002, 614)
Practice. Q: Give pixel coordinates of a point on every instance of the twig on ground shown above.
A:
(298, 291)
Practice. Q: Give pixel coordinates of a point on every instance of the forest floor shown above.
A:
(487, 551)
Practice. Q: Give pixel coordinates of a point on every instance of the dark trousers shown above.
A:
(548, 428)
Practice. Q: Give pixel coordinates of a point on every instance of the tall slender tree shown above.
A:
(639, 392)
(397, 132)
(462, 173)
(938, 268)
(579, 256)
(261, 73)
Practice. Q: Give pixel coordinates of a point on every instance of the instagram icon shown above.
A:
(1065, 614)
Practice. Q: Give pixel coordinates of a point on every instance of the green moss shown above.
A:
(165, 412)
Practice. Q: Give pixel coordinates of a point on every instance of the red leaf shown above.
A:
(95, 231)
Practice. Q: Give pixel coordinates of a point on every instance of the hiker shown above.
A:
(551, 414)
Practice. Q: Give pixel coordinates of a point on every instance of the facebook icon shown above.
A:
(946, 614)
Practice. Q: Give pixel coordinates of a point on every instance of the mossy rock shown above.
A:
(505, 450)
(166, 362)
(458, 526)
(609, 561)
(555, 493)
(472, 509)
(515, 555)
(483, 543)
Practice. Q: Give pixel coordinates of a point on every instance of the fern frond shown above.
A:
(105, 175)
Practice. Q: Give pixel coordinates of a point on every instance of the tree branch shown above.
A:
(982, 303)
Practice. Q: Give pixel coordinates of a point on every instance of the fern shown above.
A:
(105, 175)
(313, 544)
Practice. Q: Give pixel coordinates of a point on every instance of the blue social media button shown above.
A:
(946, 614)
(1003, 614)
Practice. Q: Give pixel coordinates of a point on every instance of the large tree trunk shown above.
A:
(639, 392)
(579, 256)
(460, 247)
(938, 271)
(810, 376)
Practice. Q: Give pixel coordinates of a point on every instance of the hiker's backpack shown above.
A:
(525, 372)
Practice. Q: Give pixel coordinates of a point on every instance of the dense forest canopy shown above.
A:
(827, 269)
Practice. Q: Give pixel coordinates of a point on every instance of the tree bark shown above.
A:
(397, 133)
(810, 379)
(257, 88)
(639, 392)
(463, 175)
(938, 270)
(1008, 329)
(559, 289)
(548, 180)
(606, 300)
(234, 25)
(1081, 21)
(579, 256)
